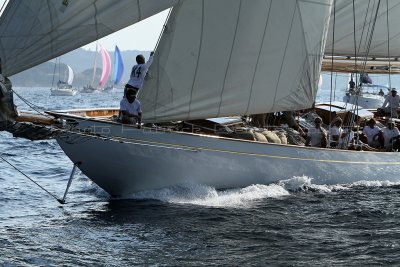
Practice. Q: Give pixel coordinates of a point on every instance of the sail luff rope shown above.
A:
(2, 7)
(163, 28)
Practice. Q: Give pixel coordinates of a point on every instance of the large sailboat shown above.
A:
(214, 59)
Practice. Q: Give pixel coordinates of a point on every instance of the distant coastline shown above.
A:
(80, 60)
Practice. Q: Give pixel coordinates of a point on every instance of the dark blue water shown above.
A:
(293, 223)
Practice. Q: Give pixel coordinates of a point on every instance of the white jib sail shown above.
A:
(232, 57)
(34, 31)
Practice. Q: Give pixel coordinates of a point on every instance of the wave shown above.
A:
(203, 195)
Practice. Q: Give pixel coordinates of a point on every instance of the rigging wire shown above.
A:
(33, 181)
(388, 43)
(333, 49)
(31, 105)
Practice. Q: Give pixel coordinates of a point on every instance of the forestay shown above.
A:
(232, 57)
(386, 29)
(34, 31)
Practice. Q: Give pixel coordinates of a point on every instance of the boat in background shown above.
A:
(106, 69)
(365, 94)
(118, 71)
(64, 86)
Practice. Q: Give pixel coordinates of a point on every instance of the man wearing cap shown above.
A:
(391, 103)
(335, 132)
(390, 134)
(316, 136)
(373, 134)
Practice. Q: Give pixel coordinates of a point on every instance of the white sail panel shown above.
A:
(263, 56)
(34, 31)
(70, 75)
(386, 29)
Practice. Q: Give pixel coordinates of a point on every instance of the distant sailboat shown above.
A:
(106, 69)
(64, 86)
(118, 70)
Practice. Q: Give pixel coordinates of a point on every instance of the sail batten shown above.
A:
(34, 31)
(254, 60)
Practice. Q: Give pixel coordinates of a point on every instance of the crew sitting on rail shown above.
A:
(373, 134)
(391, 136)
(131, 111)
(317, 136)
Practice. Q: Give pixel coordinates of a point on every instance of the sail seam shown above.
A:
(284, 54)
(258, 59)
(198, 59)
(229, 60)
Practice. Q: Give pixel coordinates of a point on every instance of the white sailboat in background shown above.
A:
(205, 67)
(64, 84)
(118, 71)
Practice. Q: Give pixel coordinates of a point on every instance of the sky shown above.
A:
(141, 36)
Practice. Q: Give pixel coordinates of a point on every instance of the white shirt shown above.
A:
(346, 139)
(335, 131)
(139, 72)
(388, 134)
(315, 136)
(133, 108)
(370, 133)
(392, 101)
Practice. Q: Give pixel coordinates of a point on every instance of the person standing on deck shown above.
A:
(138, 73)
(391, 104)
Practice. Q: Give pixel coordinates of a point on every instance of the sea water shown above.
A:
(291, 223)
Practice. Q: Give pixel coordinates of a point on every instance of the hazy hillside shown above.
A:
(81, 61)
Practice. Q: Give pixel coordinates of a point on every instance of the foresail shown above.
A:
(106, 69)
(118, 66)
(232, 57)
(34, 31)
(375, 38)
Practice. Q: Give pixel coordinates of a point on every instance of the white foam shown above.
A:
(375, 183)
(303, 183)
(209, 196)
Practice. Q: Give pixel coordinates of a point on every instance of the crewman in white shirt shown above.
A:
(131, 111)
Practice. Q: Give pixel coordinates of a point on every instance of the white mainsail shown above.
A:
(385, 29)
(34, 31)
(232, 57)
